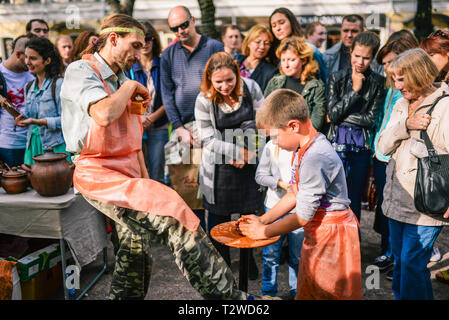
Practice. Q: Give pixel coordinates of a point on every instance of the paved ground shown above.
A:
(167, 282)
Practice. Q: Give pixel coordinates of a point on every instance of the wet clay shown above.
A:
(228, 234)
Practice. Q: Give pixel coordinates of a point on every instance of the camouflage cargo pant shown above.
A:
(194, 254)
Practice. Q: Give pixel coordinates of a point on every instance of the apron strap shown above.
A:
(93, 63)
(312, 134)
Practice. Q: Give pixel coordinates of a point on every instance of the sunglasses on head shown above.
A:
(183, 26)
(148, 38)
(440, 33)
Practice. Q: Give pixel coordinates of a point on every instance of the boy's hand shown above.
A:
(253, 229)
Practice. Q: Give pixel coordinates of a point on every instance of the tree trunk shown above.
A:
(423, 19)
(207, 27)
(127, 7)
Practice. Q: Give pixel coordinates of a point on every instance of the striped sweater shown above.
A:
(213, 145)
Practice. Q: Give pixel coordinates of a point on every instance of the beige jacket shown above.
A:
(406, 147)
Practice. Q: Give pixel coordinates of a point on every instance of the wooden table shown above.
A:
(227, 234)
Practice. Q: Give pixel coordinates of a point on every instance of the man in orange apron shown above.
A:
(330, 266)
(104, 131)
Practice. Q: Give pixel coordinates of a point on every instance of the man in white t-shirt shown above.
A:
(12, 138)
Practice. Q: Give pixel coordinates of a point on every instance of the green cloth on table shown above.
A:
(35, 147)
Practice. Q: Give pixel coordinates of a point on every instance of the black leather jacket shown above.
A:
(361, 109)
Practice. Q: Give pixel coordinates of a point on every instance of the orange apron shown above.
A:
(108, 169)
(330, 264)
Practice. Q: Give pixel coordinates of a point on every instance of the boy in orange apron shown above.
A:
(330, 265)
(101, 125)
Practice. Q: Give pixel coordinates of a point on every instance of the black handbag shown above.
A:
(432, 178)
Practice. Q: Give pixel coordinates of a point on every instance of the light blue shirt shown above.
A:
(384, 117)
(82, 87)
(39, 104)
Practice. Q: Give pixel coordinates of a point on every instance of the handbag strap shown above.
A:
(424, 136)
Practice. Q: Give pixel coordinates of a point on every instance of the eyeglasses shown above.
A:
(440, 33)
(148, 37)
(183, 26)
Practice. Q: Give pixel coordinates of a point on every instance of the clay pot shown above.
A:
(14, 181)
(51, 175)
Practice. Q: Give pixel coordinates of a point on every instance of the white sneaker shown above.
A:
(436, 255)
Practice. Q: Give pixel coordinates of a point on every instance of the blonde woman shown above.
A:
(299, 73)
(253, 62)
(412, 233)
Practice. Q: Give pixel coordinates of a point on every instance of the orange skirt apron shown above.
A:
(108, 169)
(330, 263)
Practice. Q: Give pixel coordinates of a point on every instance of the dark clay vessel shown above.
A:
(14, 181)
(51, 175)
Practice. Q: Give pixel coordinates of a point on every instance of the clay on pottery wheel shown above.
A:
(227, 234)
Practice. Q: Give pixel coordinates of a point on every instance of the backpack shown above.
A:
(53, 88)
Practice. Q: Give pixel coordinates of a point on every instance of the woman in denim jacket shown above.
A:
(42, 101)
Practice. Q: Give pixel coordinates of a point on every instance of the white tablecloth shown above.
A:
(67, 217)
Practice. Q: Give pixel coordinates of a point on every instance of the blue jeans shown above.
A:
(412, 248)
(13, 157)
(356, 167)
(271, 256)
(380, 179)
(156, 155)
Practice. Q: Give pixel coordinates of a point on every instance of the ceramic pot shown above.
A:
(14, 181)
(51, 175)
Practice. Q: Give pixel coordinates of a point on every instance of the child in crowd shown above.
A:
(274, 171)
(330, 265)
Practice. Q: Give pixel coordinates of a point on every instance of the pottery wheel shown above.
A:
(227, 234)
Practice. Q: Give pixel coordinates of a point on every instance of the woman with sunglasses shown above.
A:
(154, 121)
(412, 233)
(437, 46)
(254, 62)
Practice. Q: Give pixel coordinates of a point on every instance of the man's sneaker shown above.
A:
(383, 262)
(389, 275)
(436, 255)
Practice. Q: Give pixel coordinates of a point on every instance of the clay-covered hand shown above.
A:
(143, 93)
(253, 229)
